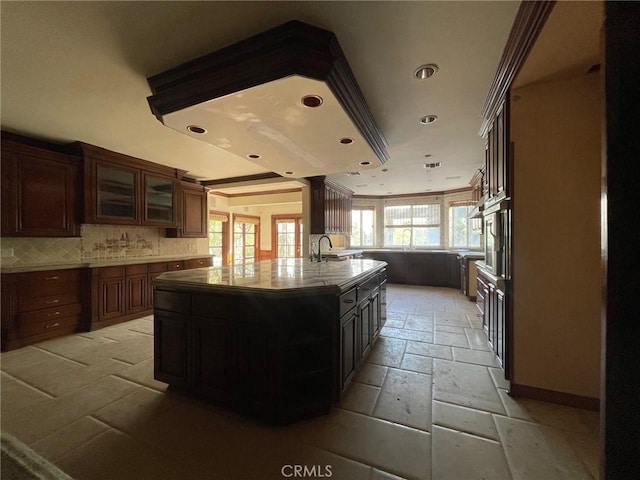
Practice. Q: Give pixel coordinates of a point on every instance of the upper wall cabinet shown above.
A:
(123, 190)
(192, 212)
(330, 207)
(39, 192)
(497, 158)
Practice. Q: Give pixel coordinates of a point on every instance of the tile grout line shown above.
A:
(44, 350)
(27, 384)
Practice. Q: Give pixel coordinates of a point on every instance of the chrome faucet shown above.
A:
(320, 246)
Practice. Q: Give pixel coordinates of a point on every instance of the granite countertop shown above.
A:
(273, 276)
(95, 263)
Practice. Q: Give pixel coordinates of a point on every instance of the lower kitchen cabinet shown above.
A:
(349, 353)
(171, 349)
(122, 293)
(40, 305)
(491, 303)
(435, 269)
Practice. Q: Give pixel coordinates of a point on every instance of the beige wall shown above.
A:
(555, 128)
(262, 206)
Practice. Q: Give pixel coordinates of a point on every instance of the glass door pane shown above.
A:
(159, 195)
(116, 192)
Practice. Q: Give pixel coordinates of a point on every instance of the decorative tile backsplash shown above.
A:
(97, 242)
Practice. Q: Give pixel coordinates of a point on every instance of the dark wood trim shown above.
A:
(552, 396)
(34, 142)
(620, 381)
(262, 192)
(293, 48)
(528, 24)
(408, 195)
(244, 178)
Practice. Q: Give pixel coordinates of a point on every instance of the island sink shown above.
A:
(280, 339)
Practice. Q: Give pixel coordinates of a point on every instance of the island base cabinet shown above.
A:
(349, 348)
(171, 348)
(279, 358)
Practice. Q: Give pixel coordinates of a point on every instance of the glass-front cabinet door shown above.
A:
(159, 200)
(116, 193)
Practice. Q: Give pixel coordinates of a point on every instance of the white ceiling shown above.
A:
(77, 71)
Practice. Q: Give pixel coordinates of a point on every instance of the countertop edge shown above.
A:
(95, 263)
(337, 288)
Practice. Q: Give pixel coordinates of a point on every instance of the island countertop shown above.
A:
(283, 275)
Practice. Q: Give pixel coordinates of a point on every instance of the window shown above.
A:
(411, 226)
(287, 235)
(363, 231)
(246, 231)
(461, 229)
(218, 237)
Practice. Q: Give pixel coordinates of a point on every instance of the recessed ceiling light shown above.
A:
(425, 71)
(311, 101)
(346, 141)
(253, 155)
(197, 129)
(289, 173)
(428, 119)
(384, 170)
(427, 155)
(365, 163)
(353, 174)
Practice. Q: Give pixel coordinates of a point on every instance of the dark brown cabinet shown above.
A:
(360, 327)
(497, 169)
(279, 358)
(39, 192)
(159, 199)
(171, 349)
(122, 293)
(40, 305)
(192, 209)
(330, 207)
(123, 190)
(136, 284)
(491, 303)
(348, 347)
(436, 269)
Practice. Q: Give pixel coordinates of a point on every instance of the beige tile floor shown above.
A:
(430, 403)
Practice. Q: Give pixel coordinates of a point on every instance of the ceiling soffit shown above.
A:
(230, 94)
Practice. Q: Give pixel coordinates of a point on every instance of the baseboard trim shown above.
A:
(553, 396)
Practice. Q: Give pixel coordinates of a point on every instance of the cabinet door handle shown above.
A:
(55, 277)
(54, 314)
(53, 325)
(51, 302)
(348, 300)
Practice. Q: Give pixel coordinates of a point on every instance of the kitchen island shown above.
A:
(279, 339)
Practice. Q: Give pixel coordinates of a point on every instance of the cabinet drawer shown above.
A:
(41, 321)
(172, 301)
(157, 267)
(179, 265)
(111, 272)
(27, 304)
(348, 300)
(136, 269)
(383, 275)
(50, 328)
(199, 262)
(51, 282)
